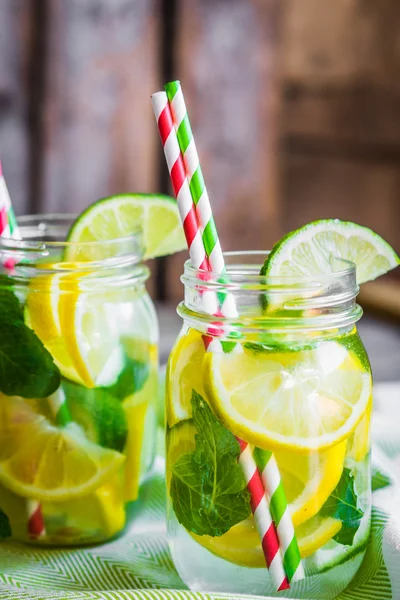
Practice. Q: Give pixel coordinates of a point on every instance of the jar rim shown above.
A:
(243, 299)
(250, 273)
(43, 236)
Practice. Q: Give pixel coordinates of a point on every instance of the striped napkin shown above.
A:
(138, 565)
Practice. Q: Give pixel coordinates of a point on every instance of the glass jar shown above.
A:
(285, 372)
(78, 383)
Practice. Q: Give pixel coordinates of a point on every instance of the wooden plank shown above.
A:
(340, 113)
(342, 43)
(381, 298)
(100, 134)
(230, 84)
(318, 186)
(350, 117)
(100, 137)
(340, 71)
(14, 142)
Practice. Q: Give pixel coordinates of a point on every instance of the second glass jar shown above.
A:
(282, 369)
(77, 405)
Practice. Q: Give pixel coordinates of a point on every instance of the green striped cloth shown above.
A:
(138, 565)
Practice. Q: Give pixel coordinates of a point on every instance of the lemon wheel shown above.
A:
(41, 461)
(136, 408)
(304, 401)
(184, 374)
(41, 315)
(309, 479)
(241, 544)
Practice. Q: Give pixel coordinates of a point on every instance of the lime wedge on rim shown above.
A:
(119, 217)
(310, 249)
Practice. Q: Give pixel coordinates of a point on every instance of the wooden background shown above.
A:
(295, 106)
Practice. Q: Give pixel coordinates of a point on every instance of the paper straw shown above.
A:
(8, 222)
(195, 177)
(179, 181)
(263, 518)
(263, 521)
(270, 471)
(9, 228)
(267, 466)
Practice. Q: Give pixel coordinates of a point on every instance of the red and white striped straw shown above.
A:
(9, 228)
(262, 518)
(179, 181)
(226, 306)
(259, 503)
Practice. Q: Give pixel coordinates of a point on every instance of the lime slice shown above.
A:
(184, 375)
(303, 401)
(310, 250)
(39, 460)
(241, 544)
(119, 217)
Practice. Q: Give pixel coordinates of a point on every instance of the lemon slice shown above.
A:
(307, 400)
(39, 460)
(241, 544)
(184, 374)
(136, 408)
(79, 328)
(91, 331)
(91, 518)
(41, 315)
(309, 479)
(180, 441)
(359, 443)
(315, 533)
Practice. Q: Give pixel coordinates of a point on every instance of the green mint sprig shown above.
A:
(342, 504)
(131, 379)
(101, 415)
(208, 488)
(27, 369)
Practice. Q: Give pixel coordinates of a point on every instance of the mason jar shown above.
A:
(274, 389)
(78, 383)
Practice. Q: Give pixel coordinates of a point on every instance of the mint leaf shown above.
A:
(208, 488)
(342, 504)
(10, 308)
(131, 379)
(27, 369)
(5, 527)
(100, 414)
(379, 480)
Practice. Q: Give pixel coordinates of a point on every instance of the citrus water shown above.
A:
(293, 382)
(77, 400)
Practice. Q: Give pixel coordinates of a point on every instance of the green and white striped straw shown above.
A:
(195, 175)
(280, 511)
(267, 465)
